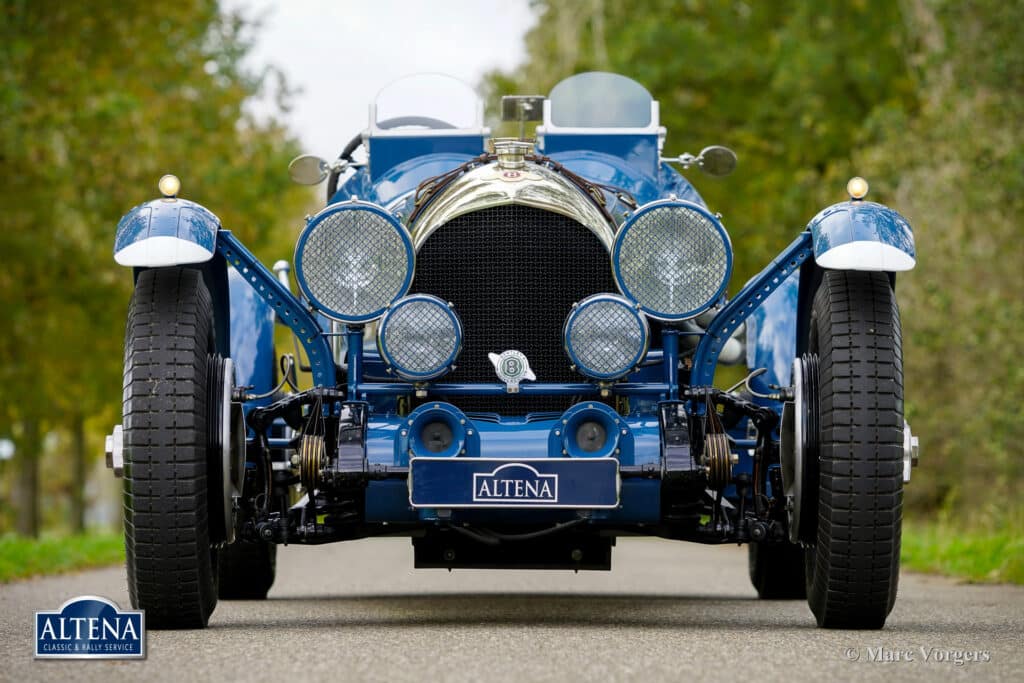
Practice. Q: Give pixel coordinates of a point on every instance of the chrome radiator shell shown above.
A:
(491, 185)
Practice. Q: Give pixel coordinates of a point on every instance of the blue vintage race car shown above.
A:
(511, 347)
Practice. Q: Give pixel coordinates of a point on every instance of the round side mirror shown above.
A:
(717, 160)
(308, 169)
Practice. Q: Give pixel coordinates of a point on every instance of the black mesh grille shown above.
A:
(513, 273)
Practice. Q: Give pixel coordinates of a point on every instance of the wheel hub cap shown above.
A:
(799, 450)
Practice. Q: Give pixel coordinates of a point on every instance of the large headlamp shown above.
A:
(419, 337)
(353, 260)
(606, 336)
(673, 258)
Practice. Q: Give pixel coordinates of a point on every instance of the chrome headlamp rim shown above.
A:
(623, 231)
(606, 297)
(389, 359)
(396, 225)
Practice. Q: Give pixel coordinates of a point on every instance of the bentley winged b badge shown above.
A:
(512, 367)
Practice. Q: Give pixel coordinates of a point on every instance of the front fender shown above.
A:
(252, 336)
(859, 235)
(772, 335)
(166, 232)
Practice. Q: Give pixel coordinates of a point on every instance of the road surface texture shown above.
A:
(667, 611)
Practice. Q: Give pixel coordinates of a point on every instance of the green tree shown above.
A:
(99, 100)
(788, 85)
(925, 99)
(956, 169)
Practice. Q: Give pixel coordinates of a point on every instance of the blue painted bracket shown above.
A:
(284, 303)
(670, 360)
(705, 359)
(367, 389)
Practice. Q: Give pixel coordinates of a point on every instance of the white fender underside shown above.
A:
(162, 251)
(865, 255)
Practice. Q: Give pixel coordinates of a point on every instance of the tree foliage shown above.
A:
(98, 101)
(922, 97)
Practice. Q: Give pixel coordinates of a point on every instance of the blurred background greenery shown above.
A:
(922, 97)
(98, 100)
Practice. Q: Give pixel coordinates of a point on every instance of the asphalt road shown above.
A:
(667, 611)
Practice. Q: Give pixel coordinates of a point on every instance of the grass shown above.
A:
(995, 554)
(21, 558)
(980, 555)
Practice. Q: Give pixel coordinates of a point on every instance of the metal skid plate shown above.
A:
(570, 551)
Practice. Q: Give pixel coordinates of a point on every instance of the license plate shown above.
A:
(501, 483)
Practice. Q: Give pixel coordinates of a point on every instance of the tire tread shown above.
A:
(854, 567)
(169, 563)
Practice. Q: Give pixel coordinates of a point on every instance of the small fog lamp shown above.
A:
(419, 338)
(605, 336)
(169, 185)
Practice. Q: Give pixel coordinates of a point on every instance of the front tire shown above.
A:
(247, 570)
(853, 563)
(171, 565)
(777, 570)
